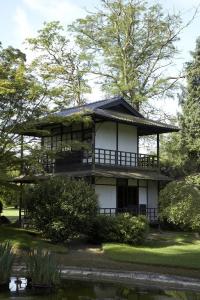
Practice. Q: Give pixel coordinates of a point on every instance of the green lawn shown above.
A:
(11, 213)
(23, 238)
(167, 249)
(162, 250)
(27, 239)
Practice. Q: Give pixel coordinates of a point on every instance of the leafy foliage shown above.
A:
(180, 205)
(59, 66)
(9, 196)
(6, 262)
(103, 229)
(182, 150)
(4, 220)
(1, 207)
(193, 179)
(122, 228)
(21, 100)
(25, 96)
(42, 268)
(171, 159)
(62, 208)
(131, 229)
(129, 45)
(191, 111)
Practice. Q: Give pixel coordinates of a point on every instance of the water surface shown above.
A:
(84, 290)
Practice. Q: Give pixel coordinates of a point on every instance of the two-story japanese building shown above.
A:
(124, 179)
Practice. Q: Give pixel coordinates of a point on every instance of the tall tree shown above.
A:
(190, 119)
(59, 66)
(21, 99)
(181, 151)
(130, 46)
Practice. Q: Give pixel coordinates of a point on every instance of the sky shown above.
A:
(20, 19)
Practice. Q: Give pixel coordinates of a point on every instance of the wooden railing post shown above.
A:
(103, 157)
(158, 150)
(93, 147)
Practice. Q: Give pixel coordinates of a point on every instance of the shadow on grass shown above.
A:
(167, 239)
(22, 239)
(173, 249)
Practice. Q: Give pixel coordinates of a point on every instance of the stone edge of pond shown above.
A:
(129, 277)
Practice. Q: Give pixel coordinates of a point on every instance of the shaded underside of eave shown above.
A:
(136, 174)
(145, 126)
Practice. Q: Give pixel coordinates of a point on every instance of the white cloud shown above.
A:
(62, 10)
(30, 15)
(23, 28)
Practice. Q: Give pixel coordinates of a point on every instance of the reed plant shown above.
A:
(42, 268)
(6, 262)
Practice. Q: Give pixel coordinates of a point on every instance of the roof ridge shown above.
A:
(91, 103)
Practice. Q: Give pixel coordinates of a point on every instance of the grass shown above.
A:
(168, 252)
(22, 239)
(11, 213)
(167, 249)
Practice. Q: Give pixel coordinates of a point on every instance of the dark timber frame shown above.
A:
(158, 148)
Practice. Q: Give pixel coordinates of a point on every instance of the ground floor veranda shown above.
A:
(118, 191)
(136, 196)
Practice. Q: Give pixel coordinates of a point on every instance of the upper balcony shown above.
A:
(73, 160)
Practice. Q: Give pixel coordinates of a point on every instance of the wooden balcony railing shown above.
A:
(149, 212)
(123, 158)
(100, 156)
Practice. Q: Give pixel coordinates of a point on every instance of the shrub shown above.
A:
(180, 205)
(4, 220)
(6, 262)
(42, 268)
(1, 207)
(131, 229)
(103, 229)
(62, 208)
(123, 228)
(193, 179)
(10, 195)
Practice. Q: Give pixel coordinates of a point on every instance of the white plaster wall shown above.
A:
(127, 138)
(152, 194)
(106, 196)
(142, 195)
(105, 136)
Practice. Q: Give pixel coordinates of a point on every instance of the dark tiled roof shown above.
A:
(116, 109)
(106, 109)
(89, 106)
(103, 104)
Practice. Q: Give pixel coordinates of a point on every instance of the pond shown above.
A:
(85, 290)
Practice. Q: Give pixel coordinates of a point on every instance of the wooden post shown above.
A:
(117, 144)
(20, 204)
(21, 184)
(158, 150)
(93, 145)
